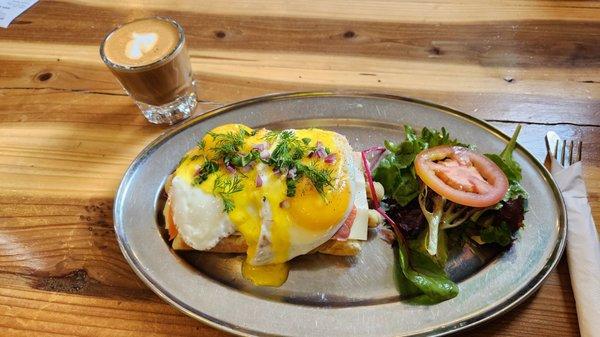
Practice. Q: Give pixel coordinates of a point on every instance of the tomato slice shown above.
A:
(461, 176)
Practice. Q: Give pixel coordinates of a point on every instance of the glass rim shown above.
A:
(164, 59)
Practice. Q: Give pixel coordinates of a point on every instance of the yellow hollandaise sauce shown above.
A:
(285, 192)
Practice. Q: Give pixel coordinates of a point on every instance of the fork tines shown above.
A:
(568, 152)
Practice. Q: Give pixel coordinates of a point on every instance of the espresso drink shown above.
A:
(149, 58)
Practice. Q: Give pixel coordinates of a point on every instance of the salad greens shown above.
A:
(421, 260)
(500, 234)
(419, 275)
(510, 167)
(396, 171)
(445, 214)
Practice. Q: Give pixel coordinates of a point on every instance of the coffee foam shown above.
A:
(141, 42)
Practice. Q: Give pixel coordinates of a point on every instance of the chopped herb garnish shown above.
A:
(225, 187)
(320, 178)
(291, 187)
(228, 144)
(208, 167)
(271, 136)
(288, 150)
(287, 155)
(228, 147)
(202, 144)
(242, 160)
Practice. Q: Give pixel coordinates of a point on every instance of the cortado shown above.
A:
(149, 58)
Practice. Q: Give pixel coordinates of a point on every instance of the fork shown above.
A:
(583, 247)
(566, 151)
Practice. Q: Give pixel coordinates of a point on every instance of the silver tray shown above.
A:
(325, 295)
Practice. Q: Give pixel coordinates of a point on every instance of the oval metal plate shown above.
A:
(325, 295)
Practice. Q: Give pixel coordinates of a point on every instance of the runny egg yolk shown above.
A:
(275, 227)
(268, 275)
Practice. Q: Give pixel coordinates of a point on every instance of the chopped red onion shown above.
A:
(331, 158)
(292, 173)
(230, 168)
(369, 177)
(260, 146)
(264, 154)
(259, 180)
(320, 150)
(247, 168)
(375, 149)
(321, 153)
(379, 152)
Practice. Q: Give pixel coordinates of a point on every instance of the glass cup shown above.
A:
(149, 58)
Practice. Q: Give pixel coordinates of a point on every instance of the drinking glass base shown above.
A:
(170, 113)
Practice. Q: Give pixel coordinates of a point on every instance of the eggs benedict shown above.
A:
(273, 195)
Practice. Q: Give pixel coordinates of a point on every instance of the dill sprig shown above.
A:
(319, 177)
(241, 160)
(291, 187)
(207, 168)
(225, 187)
(228, 144)
(286, 157)
(271, 136)
(288, 151)
(201, 144)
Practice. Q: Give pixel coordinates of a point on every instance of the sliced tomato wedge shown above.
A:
(461, 176)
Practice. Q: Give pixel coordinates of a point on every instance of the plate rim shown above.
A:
(485, 316)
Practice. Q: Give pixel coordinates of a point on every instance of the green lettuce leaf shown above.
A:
(497, 234)
(396, 170)
(510, 167)
(419, 274)
(515, 190)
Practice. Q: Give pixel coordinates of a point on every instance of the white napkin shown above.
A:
(583, 247)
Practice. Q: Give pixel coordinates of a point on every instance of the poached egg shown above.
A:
(285, 192)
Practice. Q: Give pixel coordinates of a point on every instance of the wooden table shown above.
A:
(68, 132)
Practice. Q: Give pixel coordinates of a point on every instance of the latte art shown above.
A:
(140, 44)
(150, 59)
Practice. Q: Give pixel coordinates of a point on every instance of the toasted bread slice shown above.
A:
(340, 248)
(236, 244)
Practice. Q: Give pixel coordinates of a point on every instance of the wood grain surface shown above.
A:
(68, 132)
